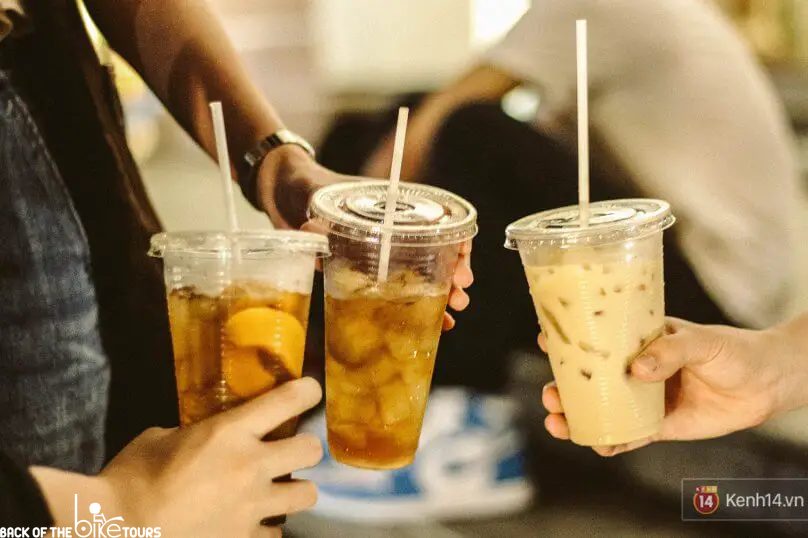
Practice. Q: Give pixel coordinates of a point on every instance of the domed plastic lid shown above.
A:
(251, 244)
(610, 221)
(424, 215)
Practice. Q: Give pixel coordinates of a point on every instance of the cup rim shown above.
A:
(327, 208)
(623, 220)
(250, 243)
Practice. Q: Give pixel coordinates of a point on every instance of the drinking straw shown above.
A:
(223, 157)
(224, 164)
(392, 193)
(583, 123)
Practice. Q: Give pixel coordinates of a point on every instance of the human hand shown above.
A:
(462, 279)
(214, 478)
(718, 380)
(287, 178)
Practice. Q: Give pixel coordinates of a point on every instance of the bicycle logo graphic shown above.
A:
(100, 526)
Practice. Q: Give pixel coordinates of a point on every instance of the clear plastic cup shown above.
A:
(238, 306)
(382, 337)
(599, 295)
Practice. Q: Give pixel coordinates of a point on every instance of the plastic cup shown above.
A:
(599, 295)
(382, 337)
(238, 306)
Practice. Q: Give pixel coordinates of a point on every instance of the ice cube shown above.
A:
(342, 380)
(351, 388)
(383, 371)
(394, 403)
(352, 340)
(425, 312)
(415, 373)
(351, 409)
(351, 433)
(402, 345)
(345, 281)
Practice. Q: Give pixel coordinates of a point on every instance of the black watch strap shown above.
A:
(248, 172)
(248, 182)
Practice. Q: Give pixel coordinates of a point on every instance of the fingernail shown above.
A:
(645, 364)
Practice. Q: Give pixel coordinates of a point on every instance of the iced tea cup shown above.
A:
(238, 306)
(598, 290)
(382, 335)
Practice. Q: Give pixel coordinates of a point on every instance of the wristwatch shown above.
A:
(248, 175)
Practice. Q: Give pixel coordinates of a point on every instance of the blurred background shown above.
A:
(319, 59)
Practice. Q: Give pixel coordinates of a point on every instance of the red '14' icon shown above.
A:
(706, 500)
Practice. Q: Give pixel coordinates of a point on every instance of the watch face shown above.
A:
(285, 136)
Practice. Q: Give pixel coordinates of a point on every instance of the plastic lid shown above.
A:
(610, 221)
(424, 215)
(252, 244)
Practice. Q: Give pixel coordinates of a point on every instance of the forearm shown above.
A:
(791, 357)
(181, 50)
(482, 83)
(60, 487)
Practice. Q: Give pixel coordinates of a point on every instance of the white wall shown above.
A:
(390, 45)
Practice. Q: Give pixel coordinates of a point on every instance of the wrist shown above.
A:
(128, 496)
(285, 156)
(279, 165)
(59, 488)
(789, 352)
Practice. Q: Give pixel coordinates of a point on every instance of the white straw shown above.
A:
(224, 164)
(392, 193)
(583, 123)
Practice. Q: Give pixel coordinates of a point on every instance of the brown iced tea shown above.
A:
(235, 346)
(381, 342)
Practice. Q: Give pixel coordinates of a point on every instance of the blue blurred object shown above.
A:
(470, 464)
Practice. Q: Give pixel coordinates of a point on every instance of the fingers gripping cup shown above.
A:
(238, 306)
(598, 292)
(382, 334)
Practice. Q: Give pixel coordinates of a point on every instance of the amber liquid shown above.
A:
(380, 354)
(213, 374)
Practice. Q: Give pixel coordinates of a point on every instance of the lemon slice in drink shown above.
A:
(261, 348)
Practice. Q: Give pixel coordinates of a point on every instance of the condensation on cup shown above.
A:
(382, 335)
(598, 290)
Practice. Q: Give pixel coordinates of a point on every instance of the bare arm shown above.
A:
(484, 83)
(182, 52)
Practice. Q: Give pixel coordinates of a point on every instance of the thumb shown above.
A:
(683, 344)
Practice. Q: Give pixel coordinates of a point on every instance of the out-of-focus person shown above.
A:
(75, 220)
(79, 294)
(679, 110)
